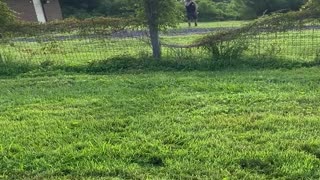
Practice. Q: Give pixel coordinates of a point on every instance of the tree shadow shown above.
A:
(130, 65)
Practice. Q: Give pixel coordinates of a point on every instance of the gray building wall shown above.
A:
(52, 10)
(25, 9)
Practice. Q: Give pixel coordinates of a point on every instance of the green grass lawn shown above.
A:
(232, 124)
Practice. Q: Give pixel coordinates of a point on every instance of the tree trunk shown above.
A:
(155, 42)
(153, 24)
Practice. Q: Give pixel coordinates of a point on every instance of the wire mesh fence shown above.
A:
(71, 48)
(77, 48)
(298, 44)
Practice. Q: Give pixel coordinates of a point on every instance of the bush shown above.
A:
(7, 16)
(102, 25)
(227, 50)
(215, 11)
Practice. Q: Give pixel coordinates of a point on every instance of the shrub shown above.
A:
(227, 50)
(100, 25)
(7, 17)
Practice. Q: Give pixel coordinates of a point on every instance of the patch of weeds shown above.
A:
(181, 53)
(228, 50)
(10, 66)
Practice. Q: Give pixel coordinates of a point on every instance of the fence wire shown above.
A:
(76, 48)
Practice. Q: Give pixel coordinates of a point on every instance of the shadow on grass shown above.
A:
(11, 68)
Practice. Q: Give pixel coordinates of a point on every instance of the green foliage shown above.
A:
(101, 25)
(7, 16)
(312, 5)
(216, 11)
(159, 13)
(85, 9)
(228, 50)
(250, 9)
(209, 9)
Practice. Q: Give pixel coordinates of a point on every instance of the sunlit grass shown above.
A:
(161, 125)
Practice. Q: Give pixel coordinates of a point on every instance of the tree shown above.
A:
(6, 15)
(157, 15)
(254, 8)
(312, 5)
(154, 14)
(89, 8)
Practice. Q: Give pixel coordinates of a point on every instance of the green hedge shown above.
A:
(98, 24)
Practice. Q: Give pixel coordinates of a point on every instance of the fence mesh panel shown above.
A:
(76, 48)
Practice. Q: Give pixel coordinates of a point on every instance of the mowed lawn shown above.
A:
(231, 124)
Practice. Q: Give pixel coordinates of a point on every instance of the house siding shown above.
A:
(53, 10)
(25, 10)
